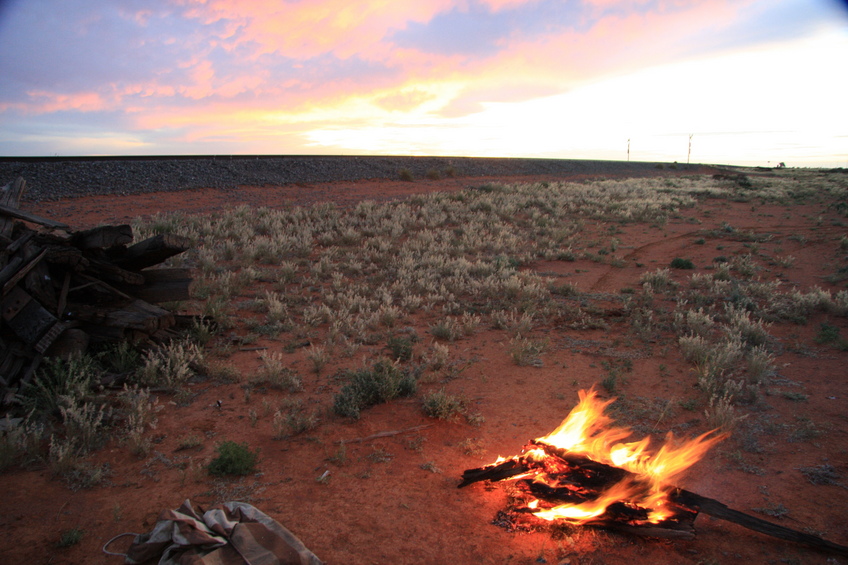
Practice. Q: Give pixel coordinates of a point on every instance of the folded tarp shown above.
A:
(233, 533)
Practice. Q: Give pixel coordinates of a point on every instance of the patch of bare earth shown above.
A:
(393, 498)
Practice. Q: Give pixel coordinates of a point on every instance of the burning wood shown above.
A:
(584, 474)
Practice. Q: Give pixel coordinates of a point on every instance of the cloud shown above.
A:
(229, 73)
(480, 29)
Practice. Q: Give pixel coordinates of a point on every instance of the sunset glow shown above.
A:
(752, 81)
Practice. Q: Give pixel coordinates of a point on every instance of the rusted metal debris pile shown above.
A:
(62, 290)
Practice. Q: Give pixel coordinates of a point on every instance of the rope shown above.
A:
(113, 539)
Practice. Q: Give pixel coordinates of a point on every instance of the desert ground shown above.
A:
(699, 299)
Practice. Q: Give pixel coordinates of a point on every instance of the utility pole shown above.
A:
(689, 154)
(628, 149)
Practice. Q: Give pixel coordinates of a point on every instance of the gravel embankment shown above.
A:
(54, 178)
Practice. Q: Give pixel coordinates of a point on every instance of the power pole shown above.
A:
(628, 149)
(689, 154)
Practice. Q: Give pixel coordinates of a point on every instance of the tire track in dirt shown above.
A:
(602, 283)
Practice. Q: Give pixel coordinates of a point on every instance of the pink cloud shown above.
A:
(45, 102)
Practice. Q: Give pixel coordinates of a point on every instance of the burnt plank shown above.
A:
(164, 285)
(717, 509)
(23, 271)
(498, 472)
(103, 237)
(20, 242)
(152, 251)
(111, 272)
(26, 216)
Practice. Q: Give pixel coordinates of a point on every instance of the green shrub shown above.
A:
(70, 537)
(828, 333)
(382, 383)
(433, 174)
(406, 175)
(678, 263)
(233, 459)
(401, 348)
(443, 406)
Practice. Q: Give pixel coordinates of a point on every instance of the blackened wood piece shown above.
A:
(499, 472)
(152, 251)
(559, 494)
(66, 256)
(26, 216)
(717, 509)
(20, 242)
(10, 269)
(103, 237)
(138, 315)
(653, 531)
(106, 270)
(22, 272)
(163, 285)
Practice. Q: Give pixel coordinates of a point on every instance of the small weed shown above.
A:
(274, 372)
(430, 466)
(443, 406)
(70, 538)
(406, 175)
(382, 383)
(380, 455)
(233, 459)
(691, 404)
(678, 263)
(189, 442)
(293, 421)
(433, 174)
(339, 458)
(401, 347)
(319, 356)
(472, 446)
(526, 352)
(828, 333)
(805, 430)
(821, 475)
(773, 510)
(448, 330)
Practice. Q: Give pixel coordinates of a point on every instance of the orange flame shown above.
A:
(588, 432)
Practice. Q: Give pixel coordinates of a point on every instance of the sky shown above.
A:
(745, 82)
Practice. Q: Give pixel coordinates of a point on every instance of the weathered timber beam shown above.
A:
(23, 271)
(26, 216)
(152, 251)
(10, 194)
(103, 237)
(163, 285)
(719, 510)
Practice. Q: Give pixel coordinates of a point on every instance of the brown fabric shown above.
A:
(233, 533)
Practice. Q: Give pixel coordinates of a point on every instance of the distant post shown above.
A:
(628, 149)
(689, 154)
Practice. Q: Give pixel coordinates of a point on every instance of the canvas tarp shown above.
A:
(233, 533)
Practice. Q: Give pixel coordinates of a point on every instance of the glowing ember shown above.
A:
(561, 473)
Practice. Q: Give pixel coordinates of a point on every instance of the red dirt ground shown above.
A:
(381, 506)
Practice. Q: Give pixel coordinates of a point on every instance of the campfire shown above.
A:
(585, 473)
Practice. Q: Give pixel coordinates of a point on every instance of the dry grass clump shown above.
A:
(274, 372)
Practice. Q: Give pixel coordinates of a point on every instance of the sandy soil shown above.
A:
(380, 506)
